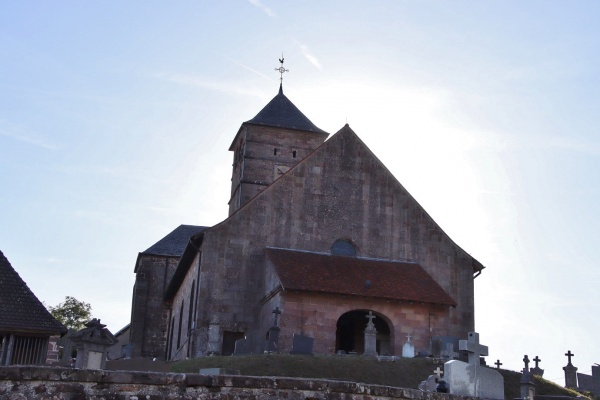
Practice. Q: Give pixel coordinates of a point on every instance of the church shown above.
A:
(320, 235)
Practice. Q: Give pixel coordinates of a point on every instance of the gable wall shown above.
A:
(149, 313)
(340, 191)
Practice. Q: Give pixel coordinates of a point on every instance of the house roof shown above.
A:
(282, 113)
(20, 309)
(392, 280)
(174, 243)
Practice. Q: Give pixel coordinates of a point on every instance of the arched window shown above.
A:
(343, 247)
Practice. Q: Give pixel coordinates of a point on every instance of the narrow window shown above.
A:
(179, 328)
(275, 151)
(294, 153)
(191, 311)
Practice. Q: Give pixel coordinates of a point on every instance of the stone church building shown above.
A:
(319, 230)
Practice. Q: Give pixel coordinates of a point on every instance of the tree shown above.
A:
(72, 313)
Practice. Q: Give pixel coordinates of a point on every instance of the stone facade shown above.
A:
(149, 313)
(291, 190)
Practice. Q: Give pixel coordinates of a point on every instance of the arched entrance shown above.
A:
(350, 333)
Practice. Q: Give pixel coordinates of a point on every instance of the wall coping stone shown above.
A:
(27, 379)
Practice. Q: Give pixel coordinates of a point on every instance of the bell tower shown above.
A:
(268, 145)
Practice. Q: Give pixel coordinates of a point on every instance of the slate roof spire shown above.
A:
(282, 113)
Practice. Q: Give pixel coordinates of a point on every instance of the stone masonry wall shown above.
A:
(316, 315)
(23, 382)
(149, 314)
(340, 191)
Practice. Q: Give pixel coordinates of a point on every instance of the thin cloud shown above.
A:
(15, 133)
(266, 10)
(247, 67)
(309, 56)
(226, 87)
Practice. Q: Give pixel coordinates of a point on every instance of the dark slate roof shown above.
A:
(392, 280)
(20, 310)
(174, 243)
(282, 113)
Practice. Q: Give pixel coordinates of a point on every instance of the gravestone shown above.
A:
(92, 343)
(272, 345)
(302, 344)
(537, 370)
(242, 347)
(370, 336)
(570, 372)
(497, 364)
(449, 352)
(527, 383)
(471, 379)
(214, 339)
(408, 349)
(430, 384)
(438, 346)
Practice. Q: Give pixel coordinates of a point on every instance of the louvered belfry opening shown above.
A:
(23, 350)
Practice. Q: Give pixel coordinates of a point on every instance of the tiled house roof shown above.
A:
(174, 243)
(282, 113)
(20, 309)
(392, 280)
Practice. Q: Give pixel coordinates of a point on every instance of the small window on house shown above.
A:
(294, 153)
(343, 247)
(275, 151)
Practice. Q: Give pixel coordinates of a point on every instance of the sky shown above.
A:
(116, 117)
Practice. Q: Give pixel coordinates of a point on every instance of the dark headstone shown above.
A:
(273, 340)
(242, 347)
(302, 344)
(439, 346)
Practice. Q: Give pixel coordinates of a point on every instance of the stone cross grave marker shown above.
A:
(570, 372)
(537, 370)
(408, 349)
(473, 348)
(471, 379)
(498, 364)
(370, 336)
(526, 361)
(438, 372)
(569, 355)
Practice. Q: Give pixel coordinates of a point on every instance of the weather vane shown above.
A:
(281, 70)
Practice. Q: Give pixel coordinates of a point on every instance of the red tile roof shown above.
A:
(393, 280)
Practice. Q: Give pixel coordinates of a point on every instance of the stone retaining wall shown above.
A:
(28, 382)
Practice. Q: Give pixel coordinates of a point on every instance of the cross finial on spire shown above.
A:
(281, 70)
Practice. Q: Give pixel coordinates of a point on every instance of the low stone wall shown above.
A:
(28, 382)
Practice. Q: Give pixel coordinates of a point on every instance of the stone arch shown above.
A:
(350, 327)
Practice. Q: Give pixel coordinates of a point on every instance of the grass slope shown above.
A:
(405, 373)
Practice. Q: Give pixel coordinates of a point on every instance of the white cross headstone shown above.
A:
(471, 379)
(472, 346)
(408, 349)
